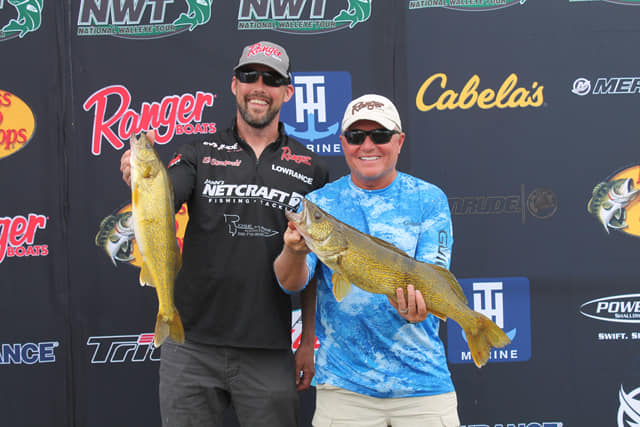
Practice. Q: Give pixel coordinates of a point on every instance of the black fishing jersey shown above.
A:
(226, 291)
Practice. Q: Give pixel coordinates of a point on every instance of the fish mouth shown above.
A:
(293, 216)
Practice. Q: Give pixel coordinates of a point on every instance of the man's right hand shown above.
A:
(125, 160)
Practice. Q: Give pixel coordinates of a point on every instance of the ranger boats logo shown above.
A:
(614, 201)
(28, 19)
(302, 16)
(141, 19)
(466, 5)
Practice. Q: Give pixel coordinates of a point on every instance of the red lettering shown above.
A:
(5, 99)
(15, 232)
(287, 155)
(102, 127)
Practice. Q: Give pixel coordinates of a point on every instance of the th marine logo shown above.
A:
(141, 19)
(302, 16)
(28, 19)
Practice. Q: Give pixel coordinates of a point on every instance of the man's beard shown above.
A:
(258, 123)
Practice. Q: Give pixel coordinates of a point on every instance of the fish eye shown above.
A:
(317, 215)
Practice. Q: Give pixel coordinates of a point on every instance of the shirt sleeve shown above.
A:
(436, 237)
(182, 173)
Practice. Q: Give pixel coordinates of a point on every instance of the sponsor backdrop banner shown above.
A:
(522, 111)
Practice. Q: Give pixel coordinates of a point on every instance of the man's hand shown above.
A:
(413, 309)
(294, 241)
(305, 369)
(125, 160)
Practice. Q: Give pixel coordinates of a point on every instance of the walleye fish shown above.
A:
(379, 267)
(155, 231)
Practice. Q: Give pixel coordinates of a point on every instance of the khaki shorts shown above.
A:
(337, 407)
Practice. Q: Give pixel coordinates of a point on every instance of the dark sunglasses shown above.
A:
(378, 136)
(268, 77)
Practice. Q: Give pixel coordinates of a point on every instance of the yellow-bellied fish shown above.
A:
(379, 267)
(155, 231)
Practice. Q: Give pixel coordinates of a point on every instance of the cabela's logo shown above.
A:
(467, 5)
(17, 124)
(507, 96)
(141, 19)
(28, 19)
(614, 201)
(174, 113)
(115, 235)
(295, 17)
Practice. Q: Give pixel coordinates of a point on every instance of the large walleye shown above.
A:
(155, 231)
(380, 267)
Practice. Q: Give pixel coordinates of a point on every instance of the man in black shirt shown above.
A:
(237, 320)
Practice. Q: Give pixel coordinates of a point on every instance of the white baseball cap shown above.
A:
(372, 107)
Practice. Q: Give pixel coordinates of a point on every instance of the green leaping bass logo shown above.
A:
(28, 19)
(300, 16)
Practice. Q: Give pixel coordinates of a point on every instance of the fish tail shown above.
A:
(168, 326)
(482, 336)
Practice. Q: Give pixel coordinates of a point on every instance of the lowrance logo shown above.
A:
(123, 348)
(28, 353)
(620, 308)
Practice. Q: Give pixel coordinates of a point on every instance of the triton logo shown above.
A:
(123, 348)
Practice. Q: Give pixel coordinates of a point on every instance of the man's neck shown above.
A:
(257, 138)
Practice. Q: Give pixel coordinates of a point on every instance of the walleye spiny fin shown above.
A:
(145, 276)
(341, 286)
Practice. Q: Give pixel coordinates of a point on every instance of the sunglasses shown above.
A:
(378, 136)
(268, 77)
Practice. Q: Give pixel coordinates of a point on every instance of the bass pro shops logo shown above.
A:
(465, 5)
(28, 20)
(614, 202)
(141, 19)
(17, 124)
(294, 17)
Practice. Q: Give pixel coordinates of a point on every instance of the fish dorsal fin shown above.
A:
(453, 283)
(341, 286)
(145, 277)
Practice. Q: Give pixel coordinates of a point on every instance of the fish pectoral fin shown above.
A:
(145, 276)
(341, 286)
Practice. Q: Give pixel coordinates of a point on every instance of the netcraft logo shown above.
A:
(302, 16)
(629, 85)
(17, 124)
(540, 203)
(141, 19)
(465, 5)
(435, 94)
(219, 192)
(18, 235)
(21, 16)
(314, 114)
(505, 301)
(174, 115)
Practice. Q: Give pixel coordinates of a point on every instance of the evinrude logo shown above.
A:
(28, 19)
(141, 19)
(629, 409)
(294, 17)
(614, 201)
(540, 203)
(505, 301)
(619, 308)
(314, 114)
(607, 86)
(173, 114)
(123, 348)
(465, 5)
